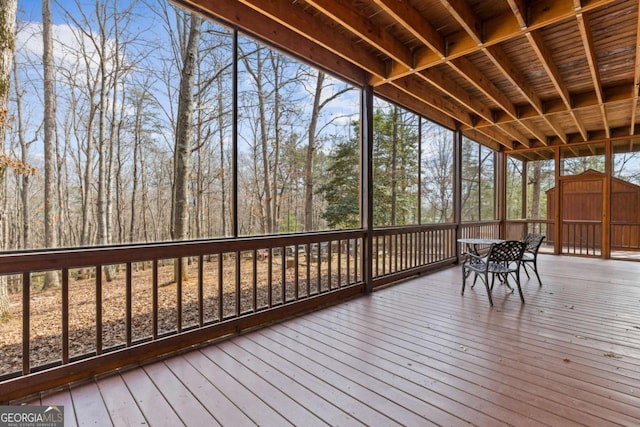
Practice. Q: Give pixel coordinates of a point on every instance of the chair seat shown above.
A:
(528, 256)
(495, 267)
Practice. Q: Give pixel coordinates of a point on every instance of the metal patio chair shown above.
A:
(530, 257)
(502, 260)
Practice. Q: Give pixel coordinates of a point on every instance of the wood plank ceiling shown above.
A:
(510, 74)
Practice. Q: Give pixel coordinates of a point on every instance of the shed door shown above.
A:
(582, 215)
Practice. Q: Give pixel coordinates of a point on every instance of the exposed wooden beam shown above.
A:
(416, 87)
(415, 104)
(461, 11)
(407, 16)
(476, 135)
(544, 56)
(466, 18)
(465, 68)
(636, 78)
(424, 92)
(500, 29)
(587, 42)
(437, 79)
(519, 9)
(502, 62)
(282, 35)
(375, 36)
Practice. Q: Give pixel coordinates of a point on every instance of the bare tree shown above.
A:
(51, 235)
(25, 182)
(7, 46)
(184, 132)
(312, 145)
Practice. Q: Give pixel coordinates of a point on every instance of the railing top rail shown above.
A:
(385, 231)
(35, 260)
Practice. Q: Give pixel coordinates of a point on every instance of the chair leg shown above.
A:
(464, 279)
(519, 287)
(535, 270)
(486, 285)
(524, 266)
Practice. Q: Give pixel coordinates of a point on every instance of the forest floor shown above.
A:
(45, 307)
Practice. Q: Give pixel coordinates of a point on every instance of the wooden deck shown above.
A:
(415, 354)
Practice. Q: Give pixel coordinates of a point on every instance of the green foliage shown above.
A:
(395, 175)
(343, 187)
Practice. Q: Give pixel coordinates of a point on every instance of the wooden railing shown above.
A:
(122, 305)
(582, 237)
(480, 230)
(403, 251)
(117, 306)
(519, 228)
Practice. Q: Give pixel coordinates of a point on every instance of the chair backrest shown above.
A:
(507, 252)
(533, 241)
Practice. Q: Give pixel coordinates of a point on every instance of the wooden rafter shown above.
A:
(416, 54)
(587, 42)
(500, 60)
(461, 11)
(411, 19)
(280, 12)
(519, 9)
(539, 47)
(361, 27)
(636, 79)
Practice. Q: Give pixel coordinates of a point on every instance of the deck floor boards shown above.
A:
(417, 353)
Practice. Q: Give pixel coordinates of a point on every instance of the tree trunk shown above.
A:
(394, 160)
(51, 235)
(311, 147)
(535, 190)
(24, 153)
(223, 202)
(184, 135)
(7, 46)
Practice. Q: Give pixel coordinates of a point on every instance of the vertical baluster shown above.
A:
(255, 280)
(384, 255)
(220, 287)
(319, 272)
(396, 252)
(356, 249)
(307, 256)
(376, 251)
(65, 315)
(329, 262)
(201, 290)
(283, 284)
(26, 323)
(179, 295)
(128, 297)
(99, 309)
(238, 285)
(154, 269)
(270, 277)
(339, 263)
(295, 273)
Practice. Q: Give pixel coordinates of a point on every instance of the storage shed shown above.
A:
(583, 202)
